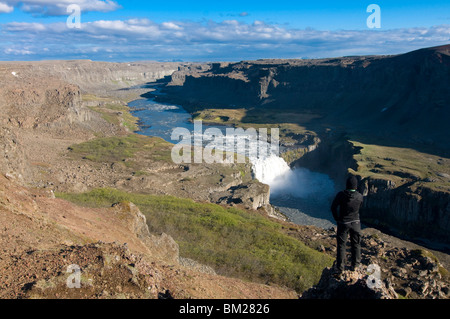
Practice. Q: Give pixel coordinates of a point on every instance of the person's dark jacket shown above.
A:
(346, 205)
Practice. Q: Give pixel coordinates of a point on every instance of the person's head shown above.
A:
(352, 183)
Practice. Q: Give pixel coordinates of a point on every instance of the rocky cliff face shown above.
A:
(27, 105)
(100, 78)
(39, 104)
(332, 155)
(418, 212)
(43, 93)
(406, 210)
(13, 161)
(34, 94)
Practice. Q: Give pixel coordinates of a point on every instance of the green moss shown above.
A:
(140, 173)
(402, 297)
(294, 154)
(444, 273)
(235, 242)
(402, 165)
(425, 253)
(92, 97)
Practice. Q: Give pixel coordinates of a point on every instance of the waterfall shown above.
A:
(268, 170)
(297, 182)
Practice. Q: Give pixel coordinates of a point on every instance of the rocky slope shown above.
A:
(350, 285)
(29, 102)
(404, 269)
(42, 236)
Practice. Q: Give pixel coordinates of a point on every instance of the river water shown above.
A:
(301, 195)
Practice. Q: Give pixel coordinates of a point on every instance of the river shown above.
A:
(301, 195)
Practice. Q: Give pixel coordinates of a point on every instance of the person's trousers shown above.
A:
(343, 230)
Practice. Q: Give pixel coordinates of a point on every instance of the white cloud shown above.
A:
(24, 27)
(58, 7)
(17, 51)
(5, 8)
(171, 26)
(138, 39)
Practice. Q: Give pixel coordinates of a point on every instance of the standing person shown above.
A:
(345, 209)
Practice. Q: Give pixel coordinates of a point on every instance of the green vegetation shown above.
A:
(117, 114)
(234, 242)
(138, 153)
(294, 154)
(92, 97)
(124, 98)
(120, 148)
(403, 165)
(113, 111)
(425, 253)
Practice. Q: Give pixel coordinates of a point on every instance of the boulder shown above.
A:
(253, 195)
(349, 285)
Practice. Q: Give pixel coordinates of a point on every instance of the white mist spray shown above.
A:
(270, 170)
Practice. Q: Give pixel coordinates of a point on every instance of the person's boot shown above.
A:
(337, 272)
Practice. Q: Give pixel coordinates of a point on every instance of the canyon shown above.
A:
(347, 107)
(400, 98)
(66, 130)
(47, 109)
(49, 106)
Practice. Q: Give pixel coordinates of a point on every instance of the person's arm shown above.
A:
(334, 207)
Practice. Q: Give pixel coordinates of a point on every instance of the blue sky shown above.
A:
(217, 30)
